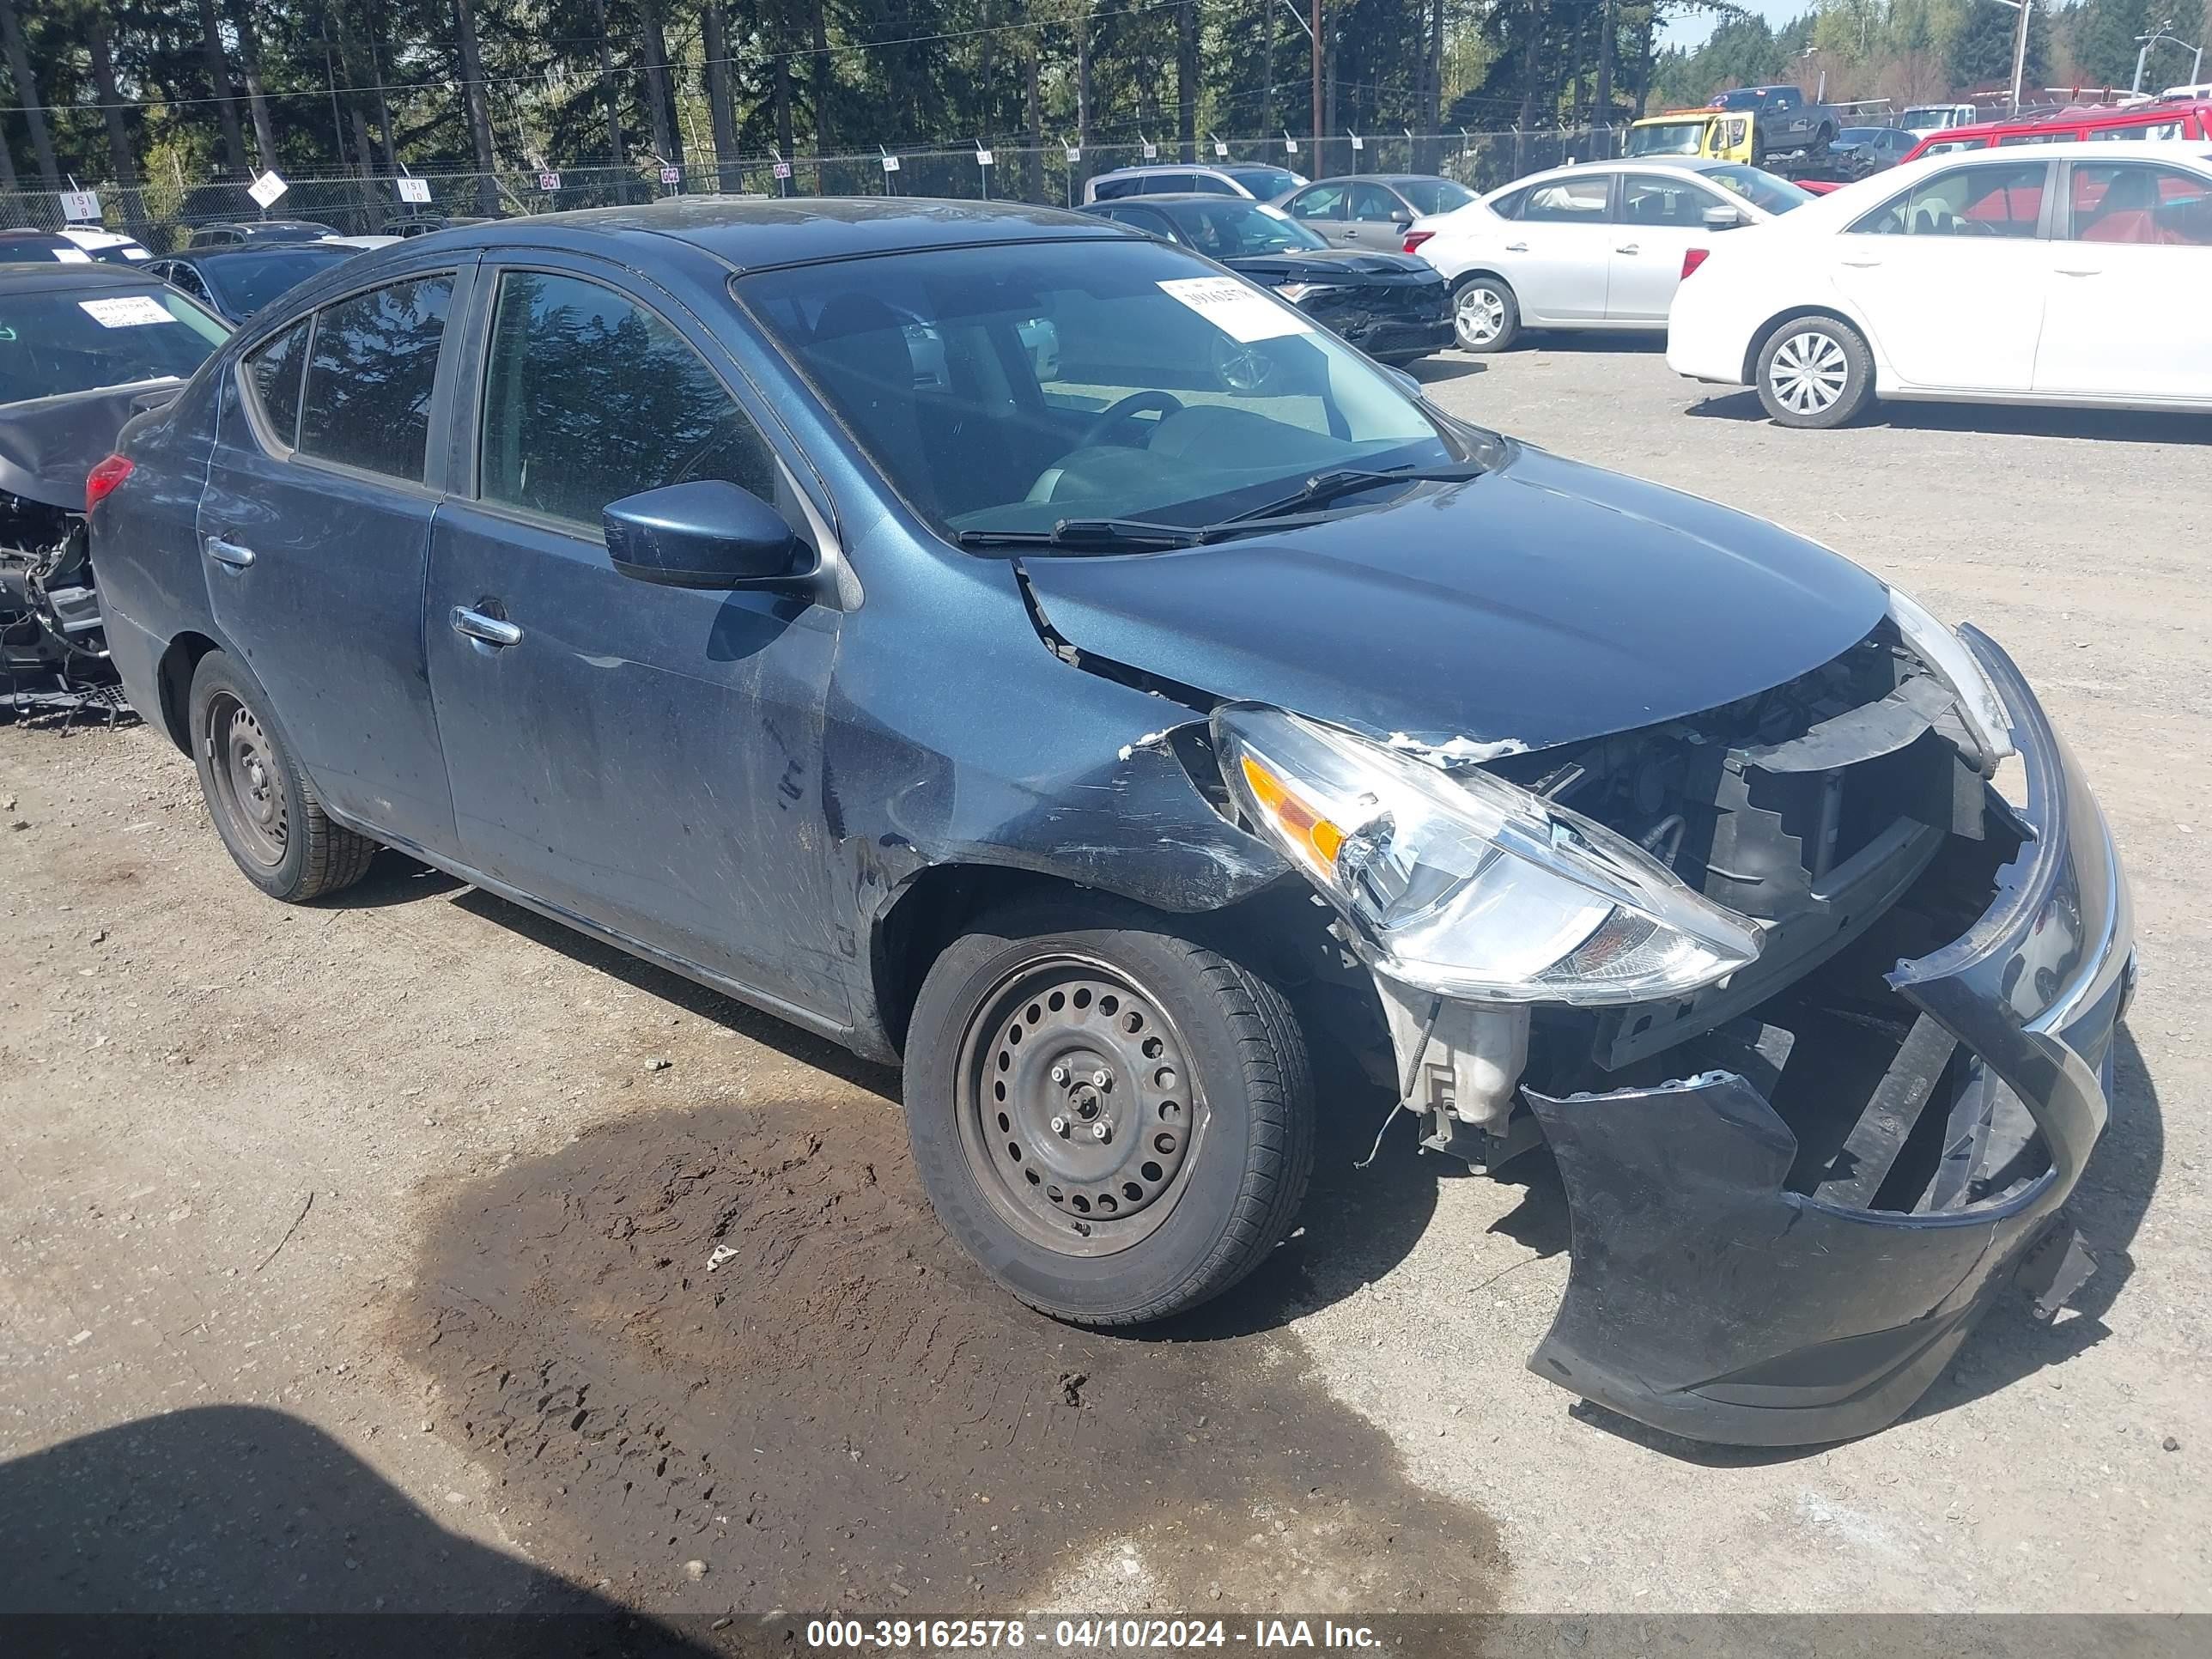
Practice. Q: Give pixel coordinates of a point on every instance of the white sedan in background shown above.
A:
(2073, 274)
(1601, 245)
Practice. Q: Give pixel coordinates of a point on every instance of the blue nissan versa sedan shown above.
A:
(1015, 647)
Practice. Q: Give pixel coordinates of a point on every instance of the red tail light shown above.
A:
(105, 480)
(1415, 237)
(1691, 258)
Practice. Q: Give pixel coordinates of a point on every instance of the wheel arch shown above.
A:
(1275, 932)
(173, 676)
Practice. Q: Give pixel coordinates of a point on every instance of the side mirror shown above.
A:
(1722, 216)
(708, 533)
(1402, 218)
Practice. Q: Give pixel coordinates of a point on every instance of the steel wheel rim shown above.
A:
(1809, 371)
(1031, 1107)
(247, 790)
(1479, 314)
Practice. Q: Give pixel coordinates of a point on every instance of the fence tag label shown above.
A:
(891, 164)
(416, 190)
(126, 311)
(1290, 147)
(1075, 152)
(1220, 149)
(549, 182)
(983, 158)
(266, 189)
(79, 204)
(671, 175)
(1358, 142)
(1152, 152)
(782, 169)
(1241, 311)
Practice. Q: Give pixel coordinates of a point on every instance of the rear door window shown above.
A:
(2139, 201)
(1374, 205)
(1568, 201)
(1968, 201)
(367, 402)
(1168, 184)
(1654, 198)
(1317, 202)
(589, 395)
(274, 371)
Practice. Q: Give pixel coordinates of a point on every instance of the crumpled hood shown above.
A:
(49, 444)
(1334, 265)
(1544, 602)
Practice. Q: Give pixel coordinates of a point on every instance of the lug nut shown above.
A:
(1101, 1129)
(1101, 1079)
(1060, 1075)
(1060, 1126)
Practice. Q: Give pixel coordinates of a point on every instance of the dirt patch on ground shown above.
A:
(738, 1338)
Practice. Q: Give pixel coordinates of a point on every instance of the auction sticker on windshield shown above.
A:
(129, 311)
(1240, 313)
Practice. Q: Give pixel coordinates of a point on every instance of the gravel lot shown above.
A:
(406, 1204)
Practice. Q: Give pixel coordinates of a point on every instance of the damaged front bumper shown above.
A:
(1708, 1299)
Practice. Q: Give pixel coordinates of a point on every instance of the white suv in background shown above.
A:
(2073, 273)
(1600, 245)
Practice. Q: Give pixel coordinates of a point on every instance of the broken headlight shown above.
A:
(1979, 705)
(1466, 886)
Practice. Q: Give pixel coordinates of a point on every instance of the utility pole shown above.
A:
(1314, 29)
(2019, 49)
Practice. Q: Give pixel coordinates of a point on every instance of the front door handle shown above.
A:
(229, 553)
(492, 630)
(1863, 264)
(2080, 270)
(1630, 248)
(1517, 247)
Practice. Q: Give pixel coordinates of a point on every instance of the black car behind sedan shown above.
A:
(1391, 306)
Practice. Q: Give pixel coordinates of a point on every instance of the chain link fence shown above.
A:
(164, 214)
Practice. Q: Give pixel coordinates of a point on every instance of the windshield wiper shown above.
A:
(1087, 532)
(1325, 487)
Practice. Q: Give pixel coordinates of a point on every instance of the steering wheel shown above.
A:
(1135, 403)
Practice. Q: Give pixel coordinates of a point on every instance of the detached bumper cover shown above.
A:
(1708, 1300)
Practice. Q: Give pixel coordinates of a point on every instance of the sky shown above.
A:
(1689, 31)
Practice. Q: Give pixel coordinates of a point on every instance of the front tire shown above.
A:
(1485, 313)
(1816, 372)
(1115, 1121)
(264, 807)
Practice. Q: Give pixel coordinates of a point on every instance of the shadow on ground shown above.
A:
(2112, 425)
(739, 1335)
(236, 1530)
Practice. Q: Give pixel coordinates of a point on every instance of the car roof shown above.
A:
(757, 233)
(213, 256)
(1385, 179)
(2198, 150)
(91, 273)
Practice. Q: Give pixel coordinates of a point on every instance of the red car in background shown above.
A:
(2176, 120)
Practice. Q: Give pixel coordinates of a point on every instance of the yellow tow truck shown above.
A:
(1722, 135)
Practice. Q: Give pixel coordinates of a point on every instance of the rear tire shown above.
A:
(264, 807)
(1485, 313)
(1117, 1202)
(1816, 372)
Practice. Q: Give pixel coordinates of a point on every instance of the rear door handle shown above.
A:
(229, 553)
(1517, 247)
(1630, 248)
(1863, 264)
(2080, 270)
(492, 630)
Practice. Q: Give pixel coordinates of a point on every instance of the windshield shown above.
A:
(1266, 183)
(1741, 98)
(1667, 138)
(1761, 190)
(1933, 115)
(59, 340)
(1435, 195)
(1233, 228)
(1860, 135)
(245, 283)
(1009, 388)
